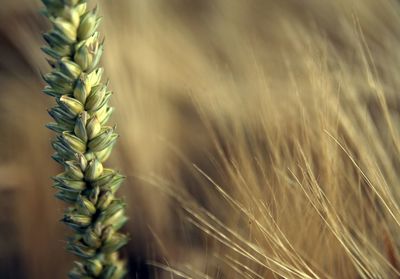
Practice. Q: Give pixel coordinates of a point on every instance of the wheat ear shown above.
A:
(83, 140)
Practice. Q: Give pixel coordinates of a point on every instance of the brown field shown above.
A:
(260, 138)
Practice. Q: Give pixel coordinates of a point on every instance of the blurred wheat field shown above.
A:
(260, 139)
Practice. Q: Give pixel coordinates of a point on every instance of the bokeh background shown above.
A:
(253, 96)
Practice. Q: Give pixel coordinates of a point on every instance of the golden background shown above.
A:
(256, 96)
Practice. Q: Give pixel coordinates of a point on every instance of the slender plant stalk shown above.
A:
(84, 141)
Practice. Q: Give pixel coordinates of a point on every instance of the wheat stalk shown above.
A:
(83, 140)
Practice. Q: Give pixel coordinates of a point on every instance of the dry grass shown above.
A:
(261, 138)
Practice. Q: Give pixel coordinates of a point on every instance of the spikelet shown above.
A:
(84, 141)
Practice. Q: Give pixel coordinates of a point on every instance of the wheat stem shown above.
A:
(83, 140)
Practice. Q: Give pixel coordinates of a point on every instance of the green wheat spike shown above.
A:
(83, 140)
